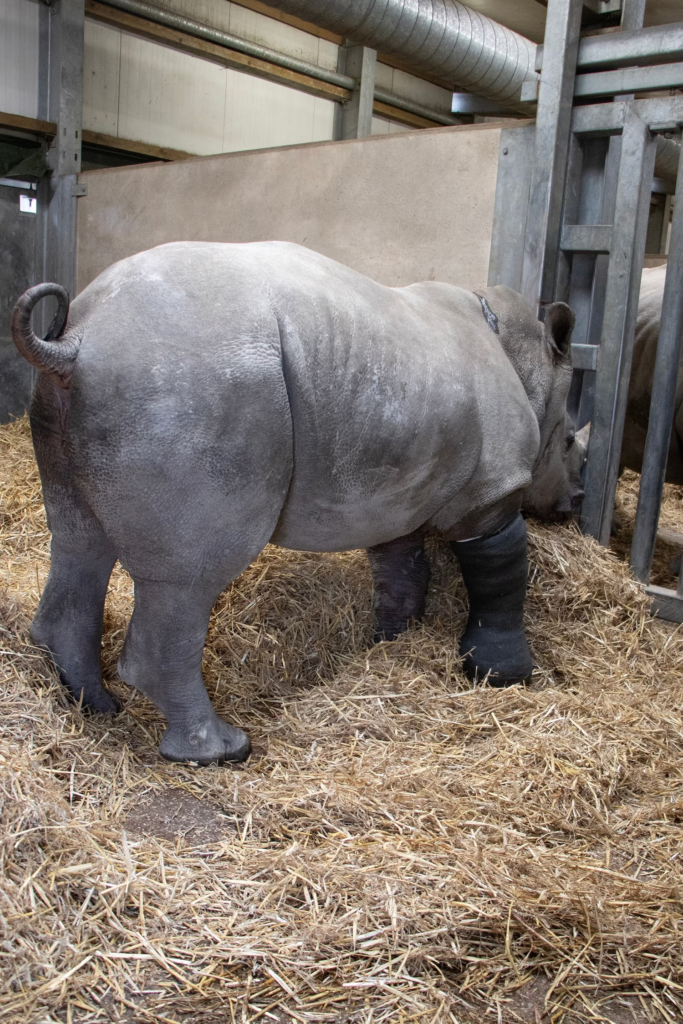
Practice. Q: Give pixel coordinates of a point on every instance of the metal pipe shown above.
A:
(214, 35)
(441, 38)
(283, 60)
(663, 401)
(415, 108)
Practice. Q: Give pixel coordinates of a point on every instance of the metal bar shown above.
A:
(585, 357)
(586, 238)
(666, 604)
(616, 345)
(657, 45)
(515, 159)
(382, 96)
(608, 118)
(61, 101)
(570, 215)
(662, 402)
(553, 120)
(632, 14)
(629, 80)
(359, 63)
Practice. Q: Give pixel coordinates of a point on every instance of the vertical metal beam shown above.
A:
(632, 14)
(358, 62)
(663, 399)
(631, 211)
(61, 100)
(553, 121)
(515, 158)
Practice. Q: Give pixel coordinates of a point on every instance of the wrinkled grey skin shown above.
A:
(642, 375)
(225, 396)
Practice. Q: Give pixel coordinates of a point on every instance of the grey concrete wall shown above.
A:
(400, 208)
(17, 259)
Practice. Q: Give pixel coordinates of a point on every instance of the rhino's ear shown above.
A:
(559, 324)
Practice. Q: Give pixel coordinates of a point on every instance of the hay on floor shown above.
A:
(400, 847)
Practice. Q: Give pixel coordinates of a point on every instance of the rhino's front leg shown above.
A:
(162, 657)
(400, 572)
(495, 573)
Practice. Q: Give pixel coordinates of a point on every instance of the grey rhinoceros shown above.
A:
(199, 400)
(640, 386)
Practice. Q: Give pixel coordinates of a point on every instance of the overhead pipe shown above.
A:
(265, 53)
(440, 38)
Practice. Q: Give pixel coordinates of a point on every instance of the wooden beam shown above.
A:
(130, 146)
(289, 19)
(210, 51)
(403, 116)
(27, 124)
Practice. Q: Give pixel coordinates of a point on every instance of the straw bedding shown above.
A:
(399, 847)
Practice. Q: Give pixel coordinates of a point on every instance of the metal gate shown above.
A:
(588, 181)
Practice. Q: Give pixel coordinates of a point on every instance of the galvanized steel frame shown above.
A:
(590, 184)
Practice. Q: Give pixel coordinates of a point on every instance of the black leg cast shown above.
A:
(495, 573)
(400, 573)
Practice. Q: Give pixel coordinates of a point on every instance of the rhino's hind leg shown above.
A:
(495, 573)
(162, 658)
(68, 621)
(400, 573)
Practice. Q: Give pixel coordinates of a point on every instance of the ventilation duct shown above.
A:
(440, 38)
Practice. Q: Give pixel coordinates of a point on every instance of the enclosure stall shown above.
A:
(401, 845)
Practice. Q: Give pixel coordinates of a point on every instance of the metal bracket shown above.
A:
(585, 357)
(80, 188)
(666, 604)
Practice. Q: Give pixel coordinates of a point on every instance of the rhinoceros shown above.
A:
(642, 376)
(198, 401)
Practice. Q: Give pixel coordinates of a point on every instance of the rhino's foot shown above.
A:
(495, 571)
(400, 573)
(390, 630)
(208, 742)
(94, 698)
(502, 657)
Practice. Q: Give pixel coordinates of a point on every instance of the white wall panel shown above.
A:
(137, 89)
(169, 98)
(101, 78)
(19, 41)
(380, 126)
(259, 114)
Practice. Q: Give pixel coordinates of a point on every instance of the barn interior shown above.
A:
(401, 845)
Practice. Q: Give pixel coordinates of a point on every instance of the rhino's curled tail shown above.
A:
(54, 355)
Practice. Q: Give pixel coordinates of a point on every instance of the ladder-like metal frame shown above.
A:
(589, 200)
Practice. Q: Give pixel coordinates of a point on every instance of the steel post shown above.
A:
(61, 100)
(663, 399)
(359, 63)
(631, 211)
(553, 120)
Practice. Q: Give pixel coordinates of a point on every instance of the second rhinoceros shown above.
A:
(197, 401)
(642, 376)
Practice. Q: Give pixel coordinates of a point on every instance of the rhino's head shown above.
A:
(541, 354)
(555, 491)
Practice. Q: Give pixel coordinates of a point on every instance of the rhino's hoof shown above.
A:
(390, 631)
(501, 657)
(213, 742)
(94, 699)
